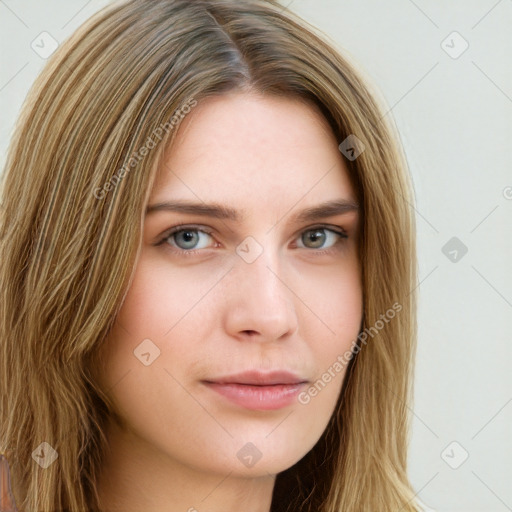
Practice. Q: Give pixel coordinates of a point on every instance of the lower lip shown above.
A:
(265, 398)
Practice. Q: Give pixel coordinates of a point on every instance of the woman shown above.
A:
(207, 272)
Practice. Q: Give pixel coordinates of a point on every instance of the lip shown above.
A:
(260, 378)
(259, 390)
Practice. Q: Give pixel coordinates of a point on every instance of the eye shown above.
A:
(187, 238)
(316, 238)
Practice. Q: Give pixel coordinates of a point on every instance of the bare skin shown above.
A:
(179, 445)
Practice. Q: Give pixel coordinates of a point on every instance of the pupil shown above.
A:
(189, 238)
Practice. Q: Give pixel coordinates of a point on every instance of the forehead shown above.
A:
(253, 152)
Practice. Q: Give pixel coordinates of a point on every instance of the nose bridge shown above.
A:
(264, 274)
(262, 301)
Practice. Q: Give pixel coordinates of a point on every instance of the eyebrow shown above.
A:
(219, 211)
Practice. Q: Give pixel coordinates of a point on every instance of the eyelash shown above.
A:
(187, 227)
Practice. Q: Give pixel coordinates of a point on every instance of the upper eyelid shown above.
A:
(210, 231)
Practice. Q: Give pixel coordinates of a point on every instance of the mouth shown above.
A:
(258, 390)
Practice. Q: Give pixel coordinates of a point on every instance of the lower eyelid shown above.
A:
(340, 232)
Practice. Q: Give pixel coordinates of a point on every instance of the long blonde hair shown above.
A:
(73, 201)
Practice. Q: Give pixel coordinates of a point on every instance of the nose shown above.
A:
(260, 304)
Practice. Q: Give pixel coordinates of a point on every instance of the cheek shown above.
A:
(162, 297)
(161, 322)
(336, 304)
(334, 297)
(179, 309)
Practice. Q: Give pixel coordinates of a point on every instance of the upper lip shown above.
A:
(260, 378)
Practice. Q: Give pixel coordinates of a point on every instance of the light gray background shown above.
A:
(455, 119)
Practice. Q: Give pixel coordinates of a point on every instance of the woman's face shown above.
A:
(229, 322)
